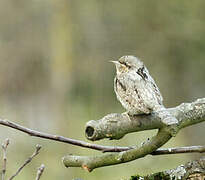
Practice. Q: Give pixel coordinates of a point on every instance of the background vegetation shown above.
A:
(55, 74)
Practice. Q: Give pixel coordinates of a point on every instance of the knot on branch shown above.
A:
(115, 126)
(105, 127)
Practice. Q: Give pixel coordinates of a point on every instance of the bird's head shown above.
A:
(127, 63)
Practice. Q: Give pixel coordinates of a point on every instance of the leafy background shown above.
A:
(55, 75)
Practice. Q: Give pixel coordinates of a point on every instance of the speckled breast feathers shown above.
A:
(134, 87)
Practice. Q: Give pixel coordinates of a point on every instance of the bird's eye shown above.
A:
(122, 62)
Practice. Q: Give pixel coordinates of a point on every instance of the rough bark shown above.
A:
(115, 126)
(110, 127)
(194, 170)
(91, 162)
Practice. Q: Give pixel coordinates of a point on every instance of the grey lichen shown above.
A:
(194, 170)
(178, 173)
(115, 126)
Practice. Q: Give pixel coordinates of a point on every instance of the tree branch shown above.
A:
(91, 162)
(58, 138)
(4, 148)
(179, 150)
(36, 152)
(191, 170)
(145, 122)
(40, 171)
(115, 126)
(187, 114)
(191, 149)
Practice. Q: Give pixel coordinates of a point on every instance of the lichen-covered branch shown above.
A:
(109, 127)
(82, 143)
(192, 170)
(91, 162)
(115, 126)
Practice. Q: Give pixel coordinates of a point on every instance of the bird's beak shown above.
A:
(115, 62)
(117, 65)
(120, 67)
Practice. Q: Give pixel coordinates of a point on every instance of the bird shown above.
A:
(135, 88)
(138, 93)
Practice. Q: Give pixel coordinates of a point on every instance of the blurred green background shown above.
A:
(55, 75)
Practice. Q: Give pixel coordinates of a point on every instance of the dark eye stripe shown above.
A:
(125, 64)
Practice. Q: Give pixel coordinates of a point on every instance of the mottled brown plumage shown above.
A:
(135, 88)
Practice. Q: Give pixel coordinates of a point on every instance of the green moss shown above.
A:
(156, 176)
(136, 177)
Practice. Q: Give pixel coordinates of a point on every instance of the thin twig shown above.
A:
(4, 147)
(195, 113)
(82, 143)
(54, 137)
(175, 150)
(40, 171)
(180, 150)
(36, 152)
